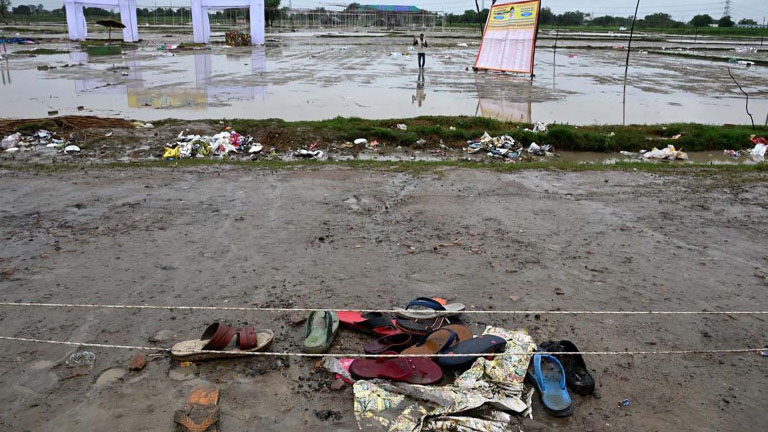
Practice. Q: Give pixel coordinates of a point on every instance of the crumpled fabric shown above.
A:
(484, 398)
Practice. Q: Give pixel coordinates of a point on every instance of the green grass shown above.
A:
(695, 137)
(40, 51)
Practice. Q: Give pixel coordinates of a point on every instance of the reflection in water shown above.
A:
(205, 91)
(5, 71)
(420, 94)
(504, 98)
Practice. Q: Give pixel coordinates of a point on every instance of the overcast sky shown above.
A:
(679, 9)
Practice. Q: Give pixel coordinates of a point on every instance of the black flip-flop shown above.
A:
(577, 375)
(419, 326)
(483, 344)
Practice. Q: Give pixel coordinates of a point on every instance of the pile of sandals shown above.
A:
(419, 335)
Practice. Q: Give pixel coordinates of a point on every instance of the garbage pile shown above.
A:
(505, 147)
(757, 153)
(219, 145)
(235, 38)
(42, 138)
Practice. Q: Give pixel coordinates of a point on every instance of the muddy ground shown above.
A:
(338, 237)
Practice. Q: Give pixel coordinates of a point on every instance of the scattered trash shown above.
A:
(12, 149)
(137, 362)
(221, 144)
(70, 149)
(11, 141)
(764, 353)
(237, 39)
(668, 153)
(541, 127)
(625, 403)
(108, 134)
(402, 126)
(462, 45)
(81, 358)
(505, 147)
(758, 152)
(53, 112)
(309, 154)
(421, 142)
(361, 141)
(255, 148)
(139, 124)
(732, 153)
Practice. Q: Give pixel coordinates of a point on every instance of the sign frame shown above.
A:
(535, 37)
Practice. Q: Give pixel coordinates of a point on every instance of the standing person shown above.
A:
(421, 48)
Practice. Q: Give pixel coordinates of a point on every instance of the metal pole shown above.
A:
(535, 35)
(626, 65)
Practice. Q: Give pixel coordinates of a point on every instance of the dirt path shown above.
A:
(340, 237)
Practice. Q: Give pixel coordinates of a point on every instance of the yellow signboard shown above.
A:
(509, 38)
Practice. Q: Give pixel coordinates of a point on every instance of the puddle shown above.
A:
(305, 77)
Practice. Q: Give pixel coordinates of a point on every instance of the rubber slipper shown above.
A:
(320, 329)
(419, 327)
(483, 344)
(396, 343)
(372, 322)
(410, 370)
(433, 342)
(221, 337)
(549, 377)
(200, 413)
(426, 308)
(577, 376)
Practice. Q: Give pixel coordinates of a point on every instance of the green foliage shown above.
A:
(702, 21)
(726, 21)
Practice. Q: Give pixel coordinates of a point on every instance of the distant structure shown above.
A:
(727, 9)
(383, 8)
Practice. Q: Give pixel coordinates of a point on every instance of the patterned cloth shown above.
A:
(484, 398)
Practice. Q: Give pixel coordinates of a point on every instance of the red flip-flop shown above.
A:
(414, 370)
(373, 323)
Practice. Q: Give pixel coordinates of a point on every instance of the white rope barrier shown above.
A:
(358, 355)
(392, 311)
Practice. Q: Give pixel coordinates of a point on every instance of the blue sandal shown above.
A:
(550, 380)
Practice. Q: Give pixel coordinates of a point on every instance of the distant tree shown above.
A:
(352, 7)
(659, 20)
(725, 21)
(5, 7)
(747, 21)
(701, 20)
(40, 9)
(22, 10)
(546, 17)
(270, 11)
(570, 19)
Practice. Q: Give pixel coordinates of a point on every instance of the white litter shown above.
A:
(758, 152)
(71, 149)
(256, 148)
(361, 141)
(668, 153)
(402, 126)
(462, 45)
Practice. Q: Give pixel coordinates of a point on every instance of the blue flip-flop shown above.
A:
(550, 380)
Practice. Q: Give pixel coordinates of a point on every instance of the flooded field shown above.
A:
(312, 76)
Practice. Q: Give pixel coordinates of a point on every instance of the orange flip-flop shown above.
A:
(200, 413)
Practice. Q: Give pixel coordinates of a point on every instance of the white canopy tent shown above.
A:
(201, 25)
(76, 19)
